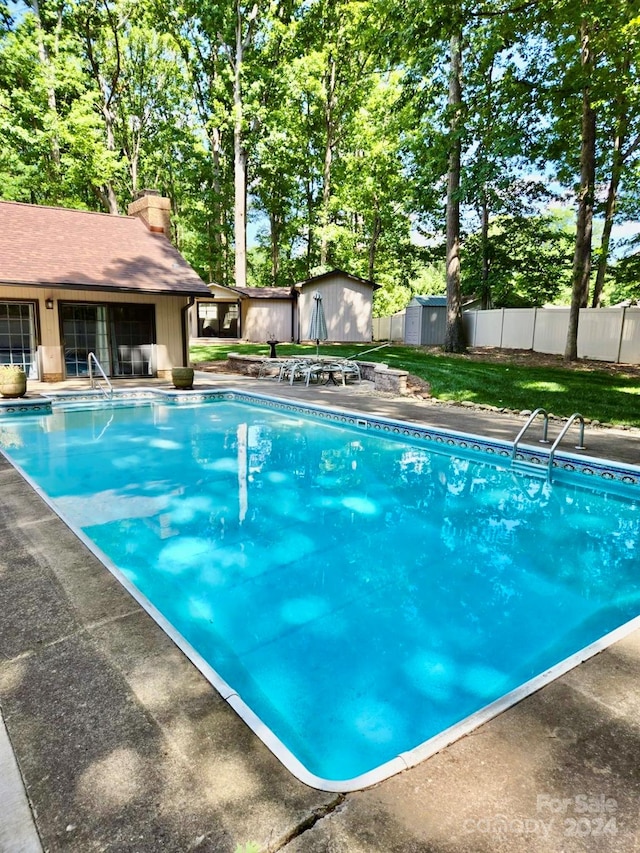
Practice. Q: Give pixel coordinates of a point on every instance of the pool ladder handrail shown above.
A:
(530, 420)
(565, 429)
(576, 416)
(93, 359)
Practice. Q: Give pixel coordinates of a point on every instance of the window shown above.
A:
(218, 319)
(17, 336)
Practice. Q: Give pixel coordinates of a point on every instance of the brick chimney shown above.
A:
(154, 210)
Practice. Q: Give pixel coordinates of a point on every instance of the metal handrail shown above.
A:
(581, 446)
(93, 358)
(530, 420)
(364, 352)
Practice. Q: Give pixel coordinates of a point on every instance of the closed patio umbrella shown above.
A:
(318, 323)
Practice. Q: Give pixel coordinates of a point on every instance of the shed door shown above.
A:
(413, 324)
(434, 325)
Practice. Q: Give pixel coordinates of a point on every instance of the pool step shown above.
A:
(536, 469)
(96, 400)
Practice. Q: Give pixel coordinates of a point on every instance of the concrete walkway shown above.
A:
(123, 745)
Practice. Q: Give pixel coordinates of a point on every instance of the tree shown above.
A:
(529, 259)
(621, 120)
(454, 336)
(586, 192)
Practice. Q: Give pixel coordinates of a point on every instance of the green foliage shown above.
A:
(344, 124)
(10, 372)
(529, 261)
(625, 283)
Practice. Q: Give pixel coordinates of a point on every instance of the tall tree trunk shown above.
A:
(329, 119)
(617, 163)
(107, 191)
(485, 285)
(49, 76)
(220, 234)
(373, 243)
(239, 163)
(274, 225)
(107, 90)
(584, 224)
(454, 337)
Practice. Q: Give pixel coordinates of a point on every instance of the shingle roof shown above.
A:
(316, 278)
(265, 292)
(56, 246)
(431, 301)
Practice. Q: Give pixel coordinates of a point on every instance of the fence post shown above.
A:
(624, 315)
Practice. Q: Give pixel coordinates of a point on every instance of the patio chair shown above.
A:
(350, 368)
(291, 369)
(311, 370)
(344, 368)
(269, 367)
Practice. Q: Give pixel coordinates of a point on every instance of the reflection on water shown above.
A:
(360, 593)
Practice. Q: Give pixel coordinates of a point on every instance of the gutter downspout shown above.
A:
(185, 330)
(294, 313)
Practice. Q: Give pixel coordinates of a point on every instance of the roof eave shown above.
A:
(70, 285)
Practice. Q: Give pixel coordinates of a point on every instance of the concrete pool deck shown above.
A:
(122, 745)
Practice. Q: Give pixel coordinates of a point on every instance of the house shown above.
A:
(74, 282)
(284, 313)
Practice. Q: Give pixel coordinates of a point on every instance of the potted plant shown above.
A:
(13, 380)
(182, 377)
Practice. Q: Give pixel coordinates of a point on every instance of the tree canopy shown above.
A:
(386, 137)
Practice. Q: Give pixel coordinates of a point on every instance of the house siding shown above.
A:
(347, 306)
(266, 318)
(168, 318)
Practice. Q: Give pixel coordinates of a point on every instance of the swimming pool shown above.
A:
(360, 591)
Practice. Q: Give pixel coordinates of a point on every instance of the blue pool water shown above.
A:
(360, 593)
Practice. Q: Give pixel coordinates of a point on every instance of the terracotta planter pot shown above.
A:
(14, 385)
(182, 377)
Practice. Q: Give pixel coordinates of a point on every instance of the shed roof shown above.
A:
(47, 246)
(431, 301)
(317, 278)
(265, 292)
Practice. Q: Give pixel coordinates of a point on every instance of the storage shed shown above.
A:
(348, 305)
(426, 321)
(283, 313)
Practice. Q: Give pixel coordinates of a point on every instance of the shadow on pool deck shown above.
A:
(124, 746)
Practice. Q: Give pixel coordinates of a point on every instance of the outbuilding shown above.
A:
(426, 321)
(283, 313)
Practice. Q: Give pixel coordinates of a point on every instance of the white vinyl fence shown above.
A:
(389, 328)
(604, 334)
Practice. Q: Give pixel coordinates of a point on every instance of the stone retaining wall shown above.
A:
(385, 379)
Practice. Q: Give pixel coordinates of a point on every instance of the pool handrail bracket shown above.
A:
(91, 360)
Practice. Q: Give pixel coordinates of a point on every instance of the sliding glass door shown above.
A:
(84, 330)
(132, 335)
(121, 336)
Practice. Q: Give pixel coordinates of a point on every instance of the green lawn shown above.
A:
(596, 394)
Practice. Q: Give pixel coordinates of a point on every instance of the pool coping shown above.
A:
(449, 440)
